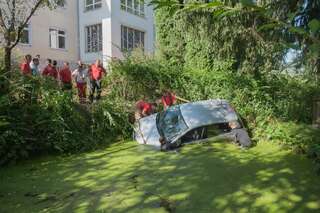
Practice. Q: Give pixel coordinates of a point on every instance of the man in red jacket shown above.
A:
(143, 109)
(65, 77)
(50, 70)
(168, 99)
(25, 66)
(96, 72)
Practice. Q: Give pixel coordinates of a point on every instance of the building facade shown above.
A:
(90, 29)
(53, 34)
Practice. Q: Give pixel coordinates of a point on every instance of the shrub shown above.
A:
(111, 119)
(37, 117)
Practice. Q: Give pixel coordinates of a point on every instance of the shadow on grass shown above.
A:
(215, 177)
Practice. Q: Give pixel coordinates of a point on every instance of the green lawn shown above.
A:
(215, 177)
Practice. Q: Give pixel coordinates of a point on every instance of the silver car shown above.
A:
(185, 123)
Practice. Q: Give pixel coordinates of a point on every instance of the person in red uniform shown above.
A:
(25, 66)
(143, 109)
(96, 72)
(168, 99)
(50, 70)
(65, 77)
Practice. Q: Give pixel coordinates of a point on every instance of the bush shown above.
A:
(37, 117)
(282, 96)
(111, 119)
(299, 137)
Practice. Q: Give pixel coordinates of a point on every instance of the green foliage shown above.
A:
(266, 24)
(37, 117)
(197, 39)
(129, 178)
(299, 137)
(280, 97)
(139, 76)
(111, 119)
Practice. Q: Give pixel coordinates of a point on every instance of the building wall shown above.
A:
(62, 18)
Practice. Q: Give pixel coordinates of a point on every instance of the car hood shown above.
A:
(146, 131)
(207, 112)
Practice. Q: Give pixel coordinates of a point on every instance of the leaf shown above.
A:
(298, 30)
(269, 26)
(314, 25)
(315, 47)
(247, 3)
(315, 50)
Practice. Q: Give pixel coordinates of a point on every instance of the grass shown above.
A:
(215, 177)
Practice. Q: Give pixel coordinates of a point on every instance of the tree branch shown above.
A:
(22, 26)
(2, 23)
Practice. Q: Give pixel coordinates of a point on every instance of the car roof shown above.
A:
(202, 113)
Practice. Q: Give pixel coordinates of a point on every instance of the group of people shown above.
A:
(144, 108)
(83, 75)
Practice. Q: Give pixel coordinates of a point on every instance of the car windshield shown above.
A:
(170, 123)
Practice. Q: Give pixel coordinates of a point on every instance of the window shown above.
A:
(93, 4)
(131, 38)
(94, 38)
(61, 4)
(57, 39)
(133, 6)
(171, 123)
(25, 37)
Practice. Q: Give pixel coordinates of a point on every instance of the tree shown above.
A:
(14, 16)
(291, 23)
(198, 38)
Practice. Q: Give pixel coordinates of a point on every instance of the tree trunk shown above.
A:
(7, 60)
(4, 84)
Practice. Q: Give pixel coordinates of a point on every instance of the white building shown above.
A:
(106, 27)
(90, 29)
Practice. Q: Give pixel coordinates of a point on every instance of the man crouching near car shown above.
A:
(241, 136)
(143, 109)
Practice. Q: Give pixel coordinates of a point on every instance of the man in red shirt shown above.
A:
(65, 77)
(96, 72)
(25, 66)
(168, 99)
(143, 109)
(50, 70)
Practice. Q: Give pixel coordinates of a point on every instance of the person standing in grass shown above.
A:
(50, 70)
(65, 77)
(25, 66)
(81, 76)
(96, 72)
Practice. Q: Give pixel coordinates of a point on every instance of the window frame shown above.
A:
(89, 48)
(96, 4)
(135, 7)
(58, 35)
(132, 42)
(28, 29)
(62, 5)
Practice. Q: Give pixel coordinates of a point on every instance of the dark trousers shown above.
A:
(66, 86)
(95, 85)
